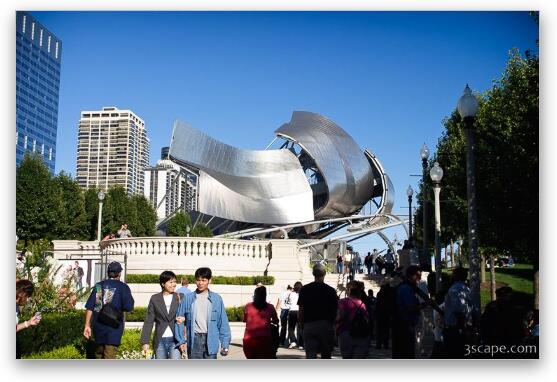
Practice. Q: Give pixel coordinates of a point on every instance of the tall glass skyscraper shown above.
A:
(38, 58)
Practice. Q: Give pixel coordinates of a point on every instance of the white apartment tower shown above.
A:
(112, 150)
(170, 187)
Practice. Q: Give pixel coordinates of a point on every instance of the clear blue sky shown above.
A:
(388, 78)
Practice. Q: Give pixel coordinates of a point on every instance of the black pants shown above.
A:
(404, 340)
(383, 331)
(283, 325)
(454, 342)
(294, 326)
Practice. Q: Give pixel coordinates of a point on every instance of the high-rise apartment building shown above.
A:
(38, 58)
(112, 149)
(170, 187)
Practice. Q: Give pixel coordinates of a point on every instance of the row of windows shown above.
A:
(42, 79)
(38, 101)
(26, 144)
(23, 56)
(52, 91)
(30, 113)
(41, 33)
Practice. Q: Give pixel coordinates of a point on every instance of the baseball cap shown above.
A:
(114, 267)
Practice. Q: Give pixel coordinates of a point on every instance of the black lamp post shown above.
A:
(410, 192)
(436, 174)
(467, 107)
(425, 261)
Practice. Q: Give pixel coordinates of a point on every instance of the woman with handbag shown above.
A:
(162, 312)
(261, 334)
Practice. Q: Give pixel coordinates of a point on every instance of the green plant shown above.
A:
(65, 352)
(222, 280)
(234, 314)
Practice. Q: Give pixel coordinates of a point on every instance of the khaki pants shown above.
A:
(106, 352)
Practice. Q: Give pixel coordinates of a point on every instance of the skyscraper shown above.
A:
(112, 149)
(38, 58)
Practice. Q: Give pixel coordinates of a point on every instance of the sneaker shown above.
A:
(292, 345)
(300, 348)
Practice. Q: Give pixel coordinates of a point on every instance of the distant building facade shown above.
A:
(112, 150)
(170, 187)
(38, 60)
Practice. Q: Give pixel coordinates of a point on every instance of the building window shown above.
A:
(41, 38)
(16, 132)
(34, 144)
(48, 46)
(32, 31)
(24, 22)
(25, 142)
(56, 50)
(42, 149)
(50, 153)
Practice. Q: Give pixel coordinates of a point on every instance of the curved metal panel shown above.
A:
(267, 187)
(346, 171)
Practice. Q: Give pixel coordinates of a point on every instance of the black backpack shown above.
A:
(359, 326)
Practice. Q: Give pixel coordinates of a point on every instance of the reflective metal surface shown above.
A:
(266, 187)
(346, 171)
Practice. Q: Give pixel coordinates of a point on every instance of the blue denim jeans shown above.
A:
(199, 349)
(167, 349)
(340, 267)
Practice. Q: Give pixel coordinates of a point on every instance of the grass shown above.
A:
(520, 278)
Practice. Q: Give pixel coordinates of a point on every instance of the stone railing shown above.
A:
(188, 246)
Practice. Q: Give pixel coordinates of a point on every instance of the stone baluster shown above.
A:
(195, 248)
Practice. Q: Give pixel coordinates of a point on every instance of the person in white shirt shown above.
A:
(283, 303)
(294, 329)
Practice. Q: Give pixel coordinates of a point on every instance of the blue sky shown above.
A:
(388, 78)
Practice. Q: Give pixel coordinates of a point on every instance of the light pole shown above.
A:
(467, 107)
(410, 192)
(425, 261)
(436, 174)
(100, 195)
(187, 231)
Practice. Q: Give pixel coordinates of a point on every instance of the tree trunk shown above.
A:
(492, 276)
(482, 268)
(536, 290)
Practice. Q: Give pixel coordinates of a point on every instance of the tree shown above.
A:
(146, 216)
(73, 222)
(177, 224)
(39, 205)
(201, 230)
(91, 201)
(507, 126)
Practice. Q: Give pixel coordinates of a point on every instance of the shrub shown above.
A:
(235, 314)
(222, 280)
(65, 352)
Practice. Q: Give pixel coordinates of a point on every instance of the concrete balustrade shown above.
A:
(281, 259)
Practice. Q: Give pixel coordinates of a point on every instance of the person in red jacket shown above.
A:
(258, 316)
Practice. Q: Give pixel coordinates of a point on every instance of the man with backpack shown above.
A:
(108, 299)
(353, 323)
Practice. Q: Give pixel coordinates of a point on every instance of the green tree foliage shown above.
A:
(72, 224)
(201, 230)
(178, 223)
(39, 205)
(507, 167)
(146, 216)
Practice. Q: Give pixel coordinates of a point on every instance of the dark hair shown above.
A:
(297, 286)
(260, 298)
(203, 273)
(166, 276)
(24, 288)
(113, 275)
(289, 287)
(460, 274)
(355, 289)
(370, 292)
(412, 270)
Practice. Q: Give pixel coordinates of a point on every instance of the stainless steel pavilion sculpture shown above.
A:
(317, 182)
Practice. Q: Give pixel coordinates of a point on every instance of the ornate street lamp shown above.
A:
(187, 231)
(467, 107)
(410, 192)
(436, 174)
(425, 258)
(101, 196)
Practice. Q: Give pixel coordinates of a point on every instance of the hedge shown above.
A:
(60, 335)
(222, 280)
(235, 314)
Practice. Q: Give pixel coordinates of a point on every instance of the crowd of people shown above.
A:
(311, 317)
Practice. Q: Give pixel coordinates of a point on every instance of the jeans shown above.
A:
(339, 267)
(283, 325)
(368, 269)
(167, 349)
(199, 349)
(319, 337)
(352, 347)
